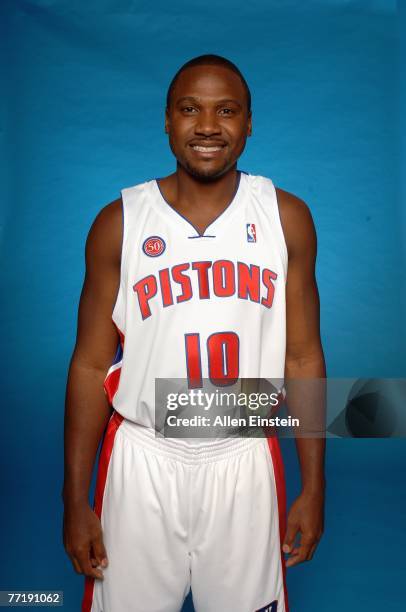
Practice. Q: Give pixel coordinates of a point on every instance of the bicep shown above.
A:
(302, 310)
(302, 298)
(97, 336)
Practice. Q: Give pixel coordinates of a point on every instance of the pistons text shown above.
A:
(221, 278)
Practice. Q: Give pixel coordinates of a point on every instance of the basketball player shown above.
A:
(207, 273)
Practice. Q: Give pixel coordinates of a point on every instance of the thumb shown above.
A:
(99, 551)
(290, 537)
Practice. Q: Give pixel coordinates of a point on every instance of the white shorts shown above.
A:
(174, 517)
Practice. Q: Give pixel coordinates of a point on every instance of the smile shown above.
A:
(207, 149)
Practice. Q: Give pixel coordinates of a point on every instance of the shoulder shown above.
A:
(106, 233)
(291, 207)
(109, 215)
(297, 222)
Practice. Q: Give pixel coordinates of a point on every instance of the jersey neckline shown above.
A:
(182, 222)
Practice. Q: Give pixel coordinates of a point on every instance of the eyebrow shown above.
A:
(219, 102)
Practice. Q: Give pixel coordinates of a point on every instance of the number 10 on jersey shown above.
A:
(222, 351)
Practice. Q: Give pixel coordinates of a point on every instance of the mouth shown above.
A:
(207, 150)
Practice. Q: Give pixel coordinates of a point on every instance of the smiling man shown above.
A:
(207, 273)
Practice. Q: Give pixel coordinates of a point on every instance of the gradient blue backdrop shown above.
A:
(82, 117)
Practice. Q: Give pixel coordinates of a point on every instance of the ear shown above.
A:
(166, 121)
(249, 124)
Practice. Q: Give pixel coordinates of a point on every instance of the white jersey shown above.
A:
(193, 306)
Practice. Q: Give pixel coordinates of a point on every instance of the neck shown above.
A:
(185, 191)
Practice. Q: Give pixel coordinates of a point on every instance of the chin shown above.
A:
(206, 174)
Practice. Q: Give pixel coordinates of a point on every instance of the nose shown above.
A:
(207, 124)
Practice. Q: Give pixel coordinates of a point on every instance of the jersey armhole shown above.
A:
(280, 233)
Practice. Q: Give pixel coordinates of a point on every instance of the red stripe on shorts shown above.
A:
(104, 460)
(277, 461)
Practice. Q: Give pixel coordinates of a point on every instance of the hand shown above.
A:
(306, 517)
(83, 540)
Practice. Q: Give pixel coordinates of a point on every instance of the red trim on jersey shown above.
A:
(277, 461)
(104, 461)
(112, 379)
(111, 384)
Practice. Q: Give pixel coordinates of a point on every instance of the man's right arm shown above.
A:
(87, 409)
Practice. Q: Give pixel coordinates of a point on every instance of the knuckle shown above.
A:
(310, 539)
(97, 552)
(93, 574)
(97, 544)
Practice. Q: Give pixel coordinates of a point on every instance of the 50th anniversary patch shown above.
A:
(154, 246)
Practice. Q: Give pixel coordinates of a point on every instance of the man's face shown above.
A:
(208, 120)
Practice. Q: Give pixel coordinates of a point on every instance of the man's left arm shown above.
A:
(304, 377)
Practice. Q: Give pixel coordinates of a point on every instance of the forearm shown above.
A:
(86, 414)
(305, 389)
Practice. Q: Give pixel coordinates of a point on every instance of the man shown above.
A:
(206, 273)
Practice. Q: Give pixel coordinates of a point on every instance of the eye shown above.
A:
(188, 109)
(226, 111)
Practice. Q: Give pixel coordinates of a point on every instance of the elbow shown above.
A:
(91, 367)
(309, 364)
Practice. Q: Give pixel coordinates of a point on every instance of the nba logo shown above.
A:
(251, 232)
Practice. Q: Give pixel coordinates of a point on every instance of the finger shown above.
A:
(289, 540)
(99, 551)
(312, 551)
(305, 548)
(86, 567)
(295, 559)
(300, 553)
(76, 565)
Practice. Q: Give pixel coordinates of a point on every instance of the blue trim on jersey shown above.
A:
(119, 354)
(202, 236)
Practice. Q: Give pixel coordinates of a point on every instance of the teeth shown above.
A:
(206, 149)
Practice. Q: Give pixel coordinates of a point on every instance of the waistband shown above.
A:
(198, 451)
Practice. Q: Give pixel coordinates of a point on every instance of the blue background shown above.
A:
(82, 117)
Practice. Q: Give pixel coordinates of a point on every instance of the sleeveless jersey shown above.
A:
(193, 306)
